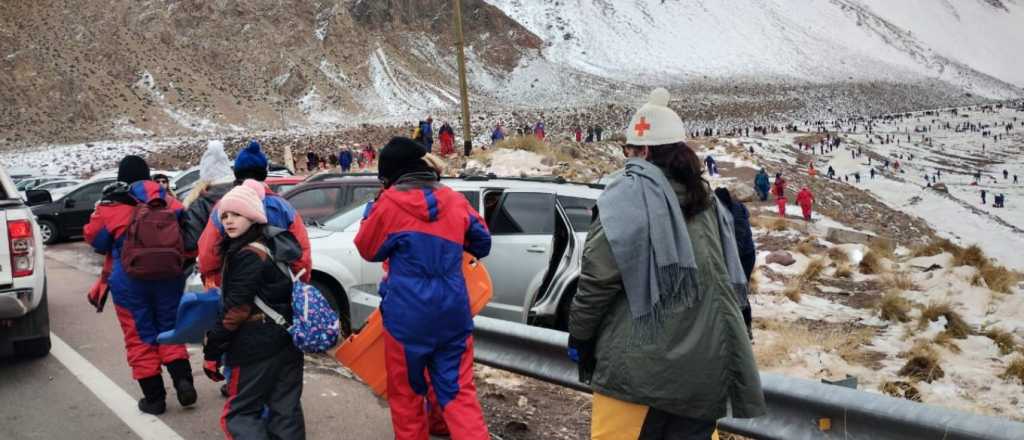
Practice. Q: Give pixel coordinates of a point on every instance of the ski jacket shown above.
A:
(280, 213)
(421, 229)
(197, 215)
(805, 198)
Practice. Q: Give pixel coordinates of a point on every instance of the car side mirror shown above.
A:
(69, 203)
(37, 197)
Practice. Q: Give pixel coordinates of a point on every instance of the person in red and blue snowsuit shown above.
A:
(144, 308)
(421, 229)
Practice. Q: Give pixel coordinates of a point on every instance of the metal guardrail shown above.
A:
(797, 408)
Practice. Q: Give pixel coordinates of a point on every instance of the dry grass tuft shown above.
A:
(755, 282)
(936, 247)
(900, 281)
(1015, 371)
(922, 363)
(844, 271)
(788, 337)
(807, 246)
(971, 256)
(999, 278)
(813, 271)
(778, 225)
(793, 289)
(531, 143)
(945, 339)
(901, 389)
(871, 264)
(838, 255)
(894, 307)
(882, 247)
(955, 324)
(1003, 339)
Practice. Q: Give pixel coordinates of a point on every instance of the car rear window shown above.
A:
(524, 213)
(579, 210)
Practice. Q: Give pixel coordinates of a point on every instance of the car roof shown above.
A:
(566, 189)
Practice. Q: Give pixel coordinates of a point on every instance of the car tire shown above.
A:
(337, 299)
(40, 317)
(49, 232)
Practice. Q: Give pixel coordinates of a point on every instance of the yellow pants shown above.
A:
(614, 419)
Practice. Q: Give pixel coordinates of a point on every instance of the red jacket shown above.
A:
(805, 198)
(779, 188)
(279, 213)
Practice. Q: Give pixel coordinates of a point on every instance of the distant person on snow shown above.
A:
(806, 200)
(579, 134)
(811, 171)
(427, 134)
(831, 173)
(779, 191)
(498, 134)
(538, 130)
(345, 159)
(762, 185)
(597, 132)
(983, 193)
(447, 137)
(711, 165)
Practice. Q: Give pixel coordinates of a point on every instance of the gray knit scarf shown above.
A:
(647, 232)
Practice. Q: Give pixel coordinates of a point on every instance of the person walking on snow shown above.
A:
(266, 367)
(447, 137)
(779, 191)
(711, 165)
(762, 185)
(661, 291)
(144, 307)
(538, 130)
(345, 159)
(421, 228)
(498, 134)
(579, 134)
(811, 171)
(806, 200)
(427, 133)
(983, 194)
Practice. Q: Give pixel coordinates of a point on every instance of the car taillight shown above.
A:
(19, 234)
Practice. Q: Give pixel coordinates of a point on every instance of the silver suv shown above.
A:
(24, 317)
(538, 227)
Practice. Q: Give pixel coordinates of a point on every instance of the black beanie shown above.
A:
(399, 157)
(132, 169)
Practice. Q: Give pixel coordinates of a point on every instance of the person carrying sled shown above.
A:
(266, 367)
(421, 228)
(656, 324)
(806, 200)
(135, 225)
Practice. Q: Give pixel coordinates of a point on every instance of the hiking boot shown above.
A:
(181, 376)
(154, 392)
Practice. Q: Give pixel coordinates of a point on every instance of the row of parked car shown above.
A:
(538, 227)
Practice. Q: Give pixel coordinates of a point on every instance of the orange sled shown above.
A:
(363, 353)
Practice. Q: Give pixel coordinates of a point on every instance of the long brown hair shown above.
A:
(683, 166)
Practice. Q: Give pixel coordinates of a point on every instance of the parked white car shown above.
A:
(538, 229)
(24, 316)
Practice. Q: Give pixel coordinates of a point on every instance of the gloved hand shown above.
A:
(212, 369)
(98, 294)
(582, 352)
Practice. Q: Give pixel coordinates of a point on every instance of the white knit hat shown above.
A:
(655, 123)
(215, 165)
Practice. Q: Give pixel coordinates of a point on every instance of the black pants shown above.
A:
(660, 425)
(274, 383)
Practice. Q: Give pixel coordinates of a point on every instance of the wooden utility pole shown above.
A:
(467, 137)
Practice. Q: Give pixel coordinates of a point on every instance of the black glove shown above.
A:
(587, 362)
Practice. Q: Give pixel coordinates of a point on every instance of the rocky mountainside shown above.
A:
(86, 69)
(79, 71)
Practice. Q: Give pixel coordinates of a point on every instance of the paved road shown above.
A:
(84, 389)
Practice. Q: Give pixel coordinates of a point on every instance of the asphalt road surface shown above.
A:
(84, 388)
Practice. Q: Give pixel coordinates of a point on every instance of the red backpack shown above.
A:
(153, 248)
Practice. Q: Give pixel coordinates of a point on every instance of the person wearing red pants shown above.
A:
(421, 228)
(144, 307)
(779, 191)
(806, 200)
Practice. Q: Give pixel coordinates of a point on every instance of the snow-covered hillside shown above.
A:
(969, 43)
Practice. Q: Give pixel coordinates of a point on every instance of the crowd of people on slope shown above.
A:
(348, 158)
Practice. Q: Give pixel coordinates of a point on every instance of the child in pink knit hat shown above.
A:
(241, 207)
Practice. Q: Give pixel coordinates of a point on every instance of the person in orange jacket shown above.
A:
(806, 200)
(811, 171)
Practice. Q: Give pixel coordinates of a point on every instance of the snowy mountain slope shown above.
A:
(821, 41)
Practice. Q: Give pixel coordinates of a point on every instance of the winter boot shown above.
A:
(181, 376)
(154, 392)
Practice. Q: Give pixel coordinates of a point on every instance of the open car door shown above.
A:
(522, 225)
(544, 297)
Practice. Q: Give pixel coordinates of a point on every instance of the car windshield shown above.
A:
(342, 220)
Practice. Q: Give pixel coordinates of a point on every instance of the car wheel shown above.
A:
(48, 230)
(339, 302)
(40, 321)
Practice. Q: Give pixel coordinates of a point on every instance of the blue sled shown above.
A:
(197, 313)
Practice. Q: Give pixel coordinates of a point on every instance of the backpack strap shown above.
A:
(280, 265)
(263, 306)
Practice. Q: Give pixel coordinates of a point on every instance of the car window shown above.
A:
(282, 188)
(187, 179)
(524, 213)
(344, 219)
(316, 203)
(579, 210)
(473, 197)
(363, 194)
(87, 195)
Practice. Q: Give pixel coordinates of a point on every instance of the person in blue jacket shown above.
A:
(762, 185)
(345, 160)
(744, 243)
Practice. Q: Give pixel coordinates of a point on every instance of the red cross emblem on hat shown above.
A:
(642, 126)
